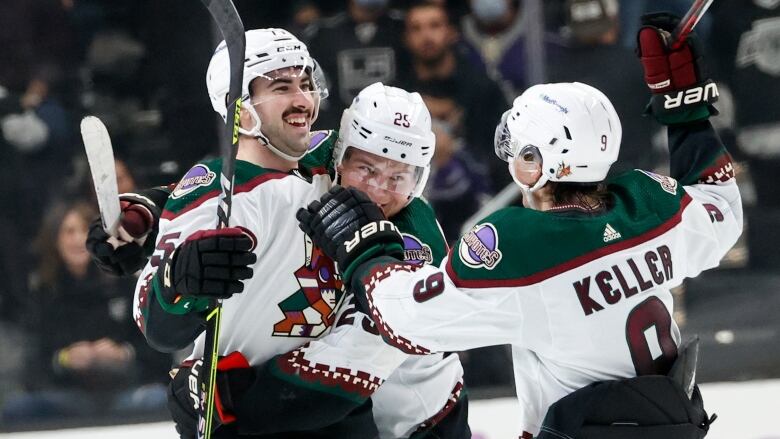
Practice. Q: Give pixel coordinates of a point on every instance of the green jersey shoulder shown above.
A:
(423, 240)
(516, 246)
(319, 158)
(201, 183)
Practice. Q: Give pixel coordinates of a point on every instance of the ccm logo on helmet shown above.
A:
(292, 48)
(693, 95)
(368, 230)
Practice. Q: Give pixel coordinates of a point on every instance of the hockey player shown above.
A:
(578, 280)
(384, 148)
(422, 395)
(305, 295)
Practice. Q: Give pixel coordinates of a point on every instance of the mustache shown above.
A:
(296, 111)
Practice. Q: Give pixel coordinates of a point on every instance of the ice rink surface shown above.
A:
(746, 410)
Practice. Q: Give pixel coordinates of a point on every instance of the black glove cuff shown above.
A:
(685, 106)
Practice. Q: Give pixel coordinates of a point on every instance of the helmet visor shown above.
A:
(368, 172)
(502, 140)
(288, 82)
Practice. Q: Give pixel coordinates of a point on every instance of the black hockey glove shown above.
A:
(350, 229)
(210, 264)
(130, 250)
(682, 91)
(234, 376)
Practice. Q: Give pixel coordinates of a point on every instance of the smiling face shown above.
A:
(387, 182)
(285, 101)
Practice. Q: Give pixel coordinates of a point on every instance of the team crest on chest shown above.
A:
(415, 251)
(668, 184)
(479, 248)
(198, 176)
(310, 311)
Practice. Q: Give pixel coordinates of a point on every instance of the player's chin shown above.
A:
(391, 209)
(298, 144)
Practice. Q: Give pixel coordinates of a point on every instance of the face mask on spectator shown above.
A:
(489, 11)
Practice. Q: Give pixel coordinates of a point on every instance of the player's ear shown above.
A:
(245, 117)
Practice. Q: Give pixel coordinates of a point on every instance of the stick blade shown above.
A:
(100, 155)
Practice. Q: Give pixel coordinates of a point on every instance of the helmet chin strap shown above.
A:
(257, 133)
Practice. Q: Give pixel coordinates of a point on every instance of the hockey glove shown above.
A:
(682, 92)
(350, 229)
(234, 376)
(209, 265)
(127, 253)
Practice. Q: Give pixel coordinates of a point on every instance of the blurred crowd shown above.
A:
(69, 344)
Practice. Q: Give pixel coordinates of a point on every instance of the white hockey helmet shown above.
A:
(391, 123)
(570, 132)
(267, 51)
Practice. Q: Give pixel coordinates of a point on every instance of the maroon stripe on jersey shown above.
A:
(370, 281)
(243, 187)
(452, 400)
(353, 381)
(319, 170)
(720, 171)
(573, 263)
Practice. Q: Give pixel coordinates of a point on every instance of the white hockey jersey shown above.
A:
(581, 298)
(292, 306)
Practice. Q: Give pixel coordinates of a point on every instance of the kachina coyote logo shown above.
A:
(415, 252)
(309, 311)
(198, 176)
(479, 248)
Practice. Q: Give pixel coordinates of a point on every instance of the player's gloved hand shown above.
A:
(234, 376)
(127, 253)
(350, 229)
(682, 90)
(210, 264)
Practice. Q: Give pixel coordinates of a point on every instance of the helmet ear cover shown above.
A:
(527, 166)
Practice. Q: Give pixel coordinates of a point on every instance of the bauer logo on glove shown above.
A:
(674, 71)
(367, 231)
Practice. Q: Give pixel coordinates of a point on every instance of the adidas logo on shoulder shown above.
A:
(610, 234)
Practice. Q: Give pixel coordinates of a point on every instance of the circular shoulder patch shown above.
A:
(415, 251)
(479, 248)
(198, 176)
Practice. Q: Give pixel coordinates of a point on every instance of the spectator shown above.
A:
(592, 42)
(744, 43)
(493, 35)
(37, 139)
(85, 356)
(125, 181)
(305, 14)
(356, 48)
(439, 70)
(458, 183)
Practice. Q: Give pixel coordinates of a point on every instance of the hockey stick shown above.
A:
(229, 23)
(100, 156)
(688, 22)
